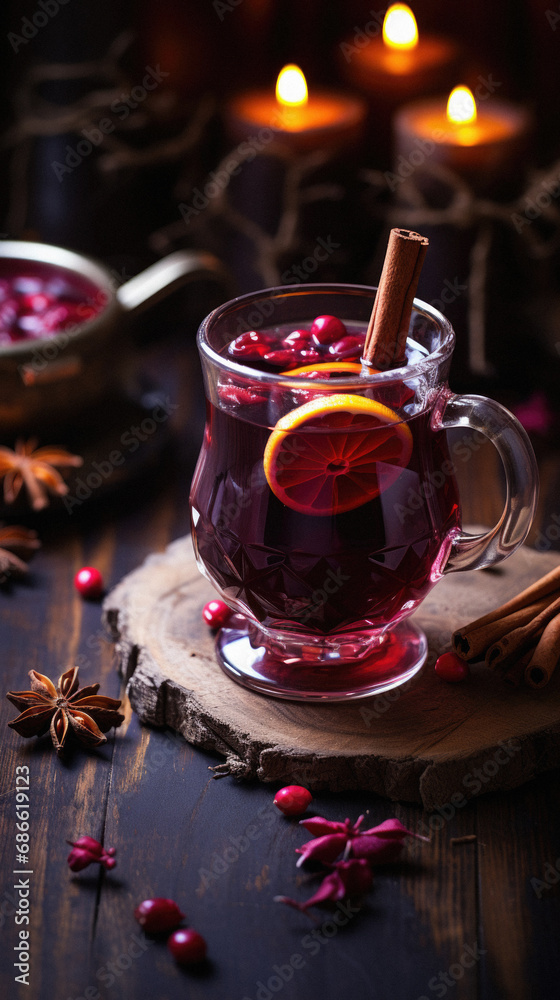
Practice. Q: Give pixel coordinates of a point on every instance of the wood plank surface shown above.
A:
(177, 830)
(422, 742)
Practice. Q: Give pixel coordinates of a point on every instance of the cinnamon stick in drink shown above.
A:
(385, 342)
(545, 658)
(467, 641)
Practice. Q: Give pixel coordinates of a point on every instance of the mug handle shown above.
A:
(161, 278)
(510, 439)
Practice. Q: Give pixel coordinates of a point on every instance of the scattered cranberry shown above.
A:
(89, 583)
(187, 947)
(452, 668)
(216, 614)
(292, 800)
(158, 915)
(326, 329)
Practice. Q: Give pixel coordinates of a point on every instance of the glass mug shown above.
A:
(322, 588)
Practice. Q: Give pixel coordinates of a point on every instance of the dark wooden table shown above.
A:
(477, 920)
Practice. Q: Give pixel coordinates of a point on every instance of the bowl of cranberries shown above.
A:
(64, 329)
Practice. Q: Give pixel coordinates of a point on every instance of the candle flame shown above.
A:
(399, 28)
(461, 106)
(291, 87)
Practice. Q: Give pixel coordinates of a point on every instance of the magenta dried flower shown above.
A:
(361, 849)
(348, 878)
(86, 850)
(380, 844)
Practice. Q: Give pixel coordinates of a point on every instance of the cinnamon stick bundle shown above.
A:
(544, 660)
(521, 638)
(511, 646)
(385, 342)
(516, 672)
(473, 642)
(469, 640)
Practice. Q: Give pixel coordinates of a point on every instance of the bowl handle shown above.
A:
(167, 274)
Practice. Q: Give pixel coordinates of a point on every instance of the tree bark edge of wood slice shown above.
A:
(424, 742)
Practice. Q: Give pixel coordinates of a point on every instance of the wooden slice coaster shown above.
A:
(427, 741)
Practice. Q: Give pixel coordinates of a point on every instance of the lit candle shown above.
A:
(471, 262)
(269, 132)
(294, 118)
(401, 62)
(484, 144)
(397, 65)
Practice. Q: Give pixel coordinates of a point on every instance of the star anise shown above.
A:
(15, 542)
(35, 468)
(85, 714)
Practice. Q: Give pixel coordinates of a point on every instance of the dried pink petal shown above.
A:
(319, 826)
(355, 874)
(392, 829)
(325, 849)
(375, 850)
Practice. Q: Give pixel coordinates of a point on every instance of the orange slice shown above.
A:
(329, 368)
(335, 453)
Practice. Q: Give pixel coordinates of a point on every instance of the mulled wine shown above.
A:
(324, 504)
(364, 567)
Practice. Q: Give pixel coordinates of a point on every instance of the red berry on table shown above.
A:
(326, 329)
(187, 946)
(216, 614)
(452, 668)
(158, 915)
(292, 800)
(89, 583)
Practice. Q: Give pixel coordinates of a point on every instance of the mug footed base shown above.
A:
(393, 658)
